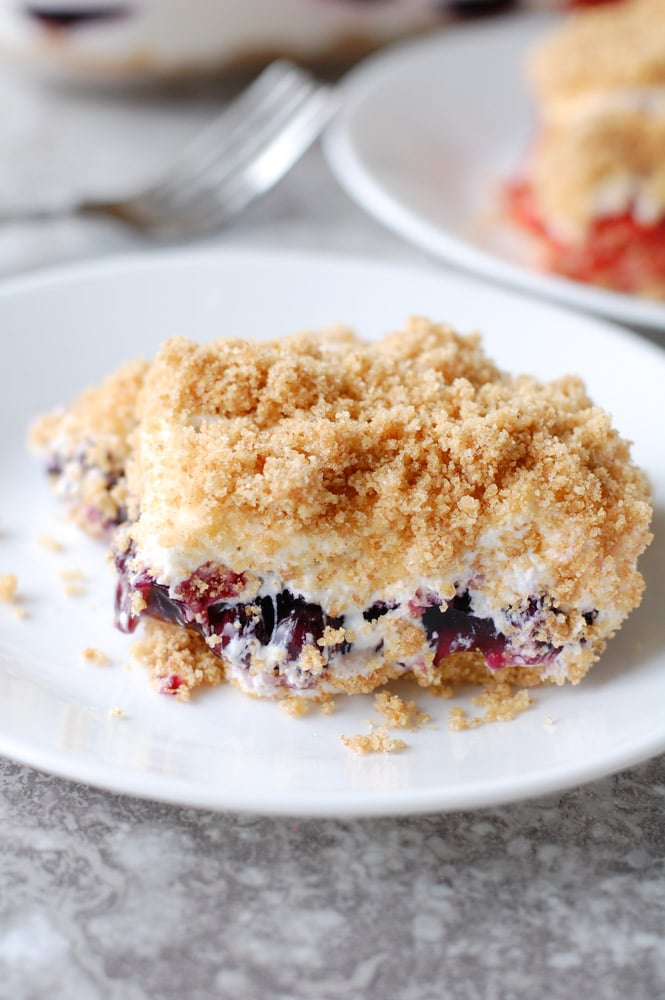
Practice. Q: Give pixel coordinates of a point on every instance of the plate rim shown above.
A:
(178, 791)
(331, 804)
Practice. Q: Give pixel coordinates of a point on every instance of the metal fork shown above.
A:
(240, 155)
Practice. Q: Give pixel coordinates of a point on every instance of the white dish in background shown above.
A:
(142, 39)
(67, 329)
(427, 133)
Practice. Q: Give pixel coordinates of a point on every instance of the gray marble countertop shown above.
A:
(103, 896)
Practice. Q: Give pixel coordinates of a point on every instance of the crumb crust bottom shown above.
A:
(179, 663)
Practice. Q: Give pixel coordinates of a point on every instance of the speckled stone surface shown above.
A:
(107, 897)
(110, 897)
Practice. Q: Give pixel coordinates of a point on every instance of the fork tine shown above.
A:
(272, 95)
(241, 153)
(232, 151)
(214, 201)
(266, 86)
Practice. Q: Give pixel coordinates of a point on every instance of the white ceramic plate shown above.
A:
(427, 133)
(66, 330)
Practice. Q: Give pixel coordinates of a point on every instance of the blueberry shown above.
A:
(298, 624)
(378, 610)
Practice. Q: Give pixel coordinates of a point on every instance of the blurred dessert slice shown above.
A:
(594, 187)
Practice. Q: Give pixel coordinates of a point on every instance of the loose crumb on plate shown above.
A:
(500, 705)
(50, 543)
(74, 582)
(294, 706)
(71, 574)
(94, 656)
(8, 587)
(378, 741)
(117, 713)
(400, 714)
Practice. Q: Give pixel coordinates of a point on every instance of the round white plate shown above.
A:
(428, 132)
(65, 330)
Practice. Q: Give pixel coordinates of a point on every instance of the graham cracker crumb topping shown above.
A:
(284, 457)
(615, 45)
(599, 81)
(319, 478)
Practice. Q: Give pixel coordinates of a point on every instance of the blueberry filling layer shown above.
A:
(454, 628)
(209, 603)
(283, 621)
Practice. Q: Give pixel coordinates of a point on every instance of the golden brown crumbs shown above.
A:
(311, 661)
(378, 741)
(94, 656)
(294, 706)
(617, 45)
(462, 668)
(282, 456)
(457, 720)
(549, 722)
(178, 660)
(50, 543)
(137, 603)
(599, 81)
(327, 707)
(576, 155)
(406, 641)
(8, 587)
(91, 441)
(71, 575)
(117, 713)
(500, 705)
(333, 636)
(400, 714)
(104, 414)
(73, 582)
(368, 682)
(445, 691)
(310, 444)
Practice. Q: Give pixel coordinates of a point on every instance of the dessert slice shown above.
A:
(85, 448)
(329, 514)
(593, 191)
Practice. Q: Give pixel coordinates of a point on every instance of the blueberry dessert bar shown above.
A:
(85, 448)
(324, 514)
(592, 191)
